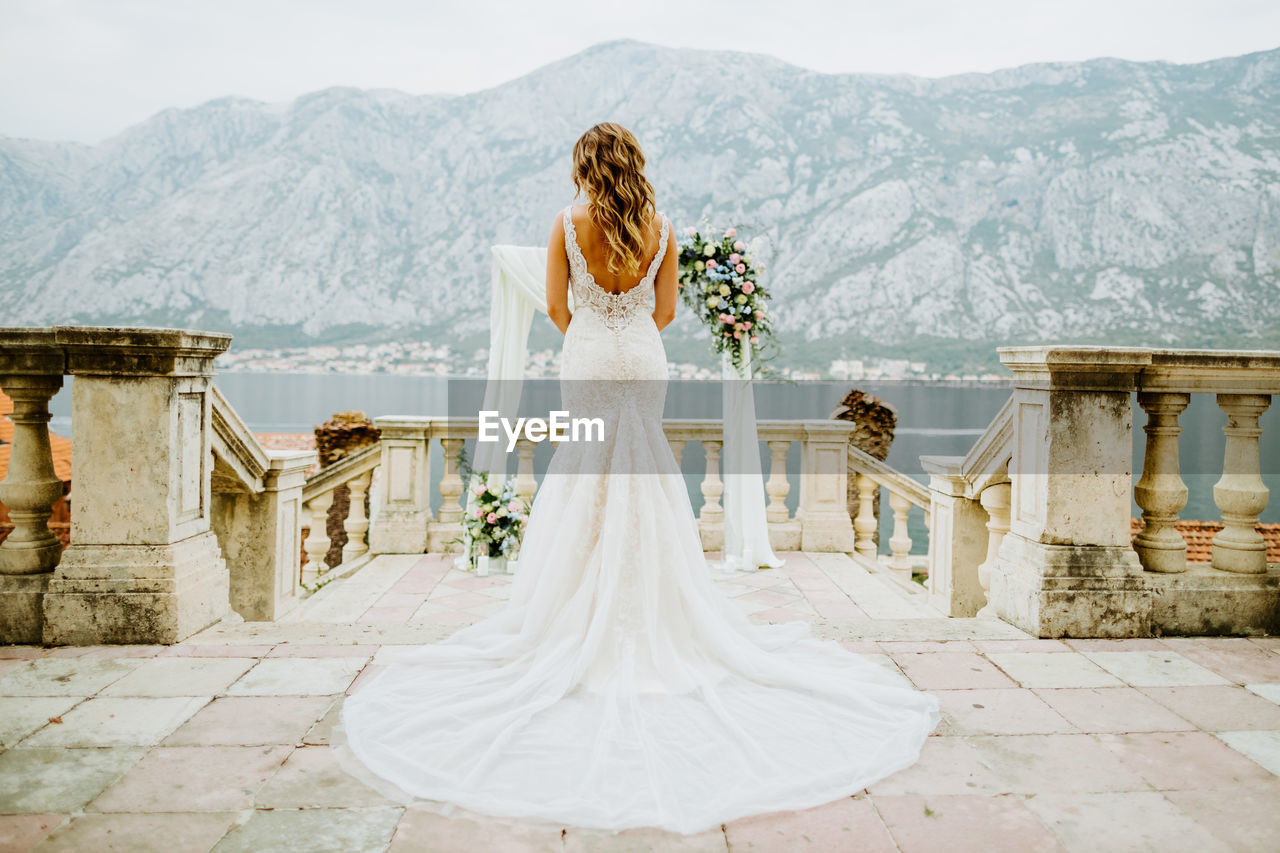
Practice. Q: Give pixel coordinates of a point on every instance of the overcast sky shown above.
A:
(86, 69)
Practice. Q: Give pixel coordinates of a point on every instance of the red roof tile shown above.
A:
(1199, 537)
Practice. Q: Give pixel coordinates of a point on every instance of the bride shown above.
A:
(619, 687)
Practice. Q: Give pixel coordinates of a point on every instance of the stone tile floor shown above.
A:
(221, 742)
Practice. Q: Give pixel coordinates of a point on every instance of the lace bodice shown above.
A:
(616, 310)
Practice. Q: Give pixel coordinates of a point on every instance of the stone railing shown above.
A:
(405, 522)
(357, 472)
(179, 515)
(1069, 564)
(143, 565)
(969, 515)
(257, 504)
(870, 475)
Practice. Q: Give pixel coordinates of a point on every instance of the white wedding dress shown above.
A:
(619, 687)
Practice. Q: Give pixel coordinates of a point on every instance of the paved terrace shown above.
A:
(221, 742)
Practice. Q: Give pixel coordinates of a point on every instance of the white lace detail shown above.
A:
(617, 310)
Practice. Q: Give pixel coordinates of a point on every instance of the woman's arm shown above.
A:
(558, 278)
(664, 288)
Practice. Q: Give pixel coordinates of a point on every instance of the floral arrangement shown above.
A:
(493, 522)
(718, 280)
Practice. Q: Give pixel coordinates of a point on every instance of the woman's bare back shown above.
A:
(596, 251)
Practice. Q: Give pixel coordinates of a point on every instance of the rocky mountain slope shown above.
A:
(1106, 200)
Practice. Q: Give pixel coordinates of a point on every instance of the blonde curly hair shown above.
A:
(609, 166)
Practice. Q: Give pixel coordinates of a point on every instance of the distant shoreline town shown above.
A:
(417, 358)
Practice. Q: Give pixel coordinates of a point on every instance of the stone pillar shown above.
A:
(900, 539)
(1240, 493)
(259, 535)
(865, 524)
(995, 500)
(957, 539)
(30, 486)
(711, 516)
(31, 368)
(778, 487)
(317, 543)
(824, 514)
(356, 523)
(677, 449)
(1066, 567)
(1160, 492)
(442, 533)
(404, 509)
(526, 483)
(143, 565)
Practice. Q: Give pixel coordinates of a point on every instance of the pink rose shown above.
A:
(691, 231)
(759, 314)
(737, 326)
(754, 339)
(741, 268)
(492, 518)
(748, 287)
(734, 258)
(731, 233)
(739, 246)
(514, 506)
(480, 490)
(726, 318)
(711, 263)
(479, 513)
(738, 335)
(747, 325)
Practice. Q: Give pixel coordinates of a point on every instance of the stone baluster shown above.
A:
(995, 499)
(1160, 491)
(900, 541)
(865, 524)
(526, 484)
(451, 483)
(30, 487)
(1240, 493)
(778, 487)
(317, 543)
(677, 449)
(712, 487)
(31, 551)
(357, 522)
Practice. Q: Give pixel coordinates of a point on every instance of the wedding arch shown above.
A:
(519, 291)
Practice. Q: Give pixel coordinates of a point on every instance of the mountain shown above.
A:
(1097, 201)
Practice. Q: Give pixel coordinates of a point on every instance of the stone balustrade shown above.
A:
(357, 472)
(256, 512)
(180, 516)
(405, 521)
(143, 565)
(870, 476)
(1048, 487)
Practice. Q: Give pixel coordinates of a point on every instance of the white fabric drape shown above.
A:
(518, 290)
(746, 528)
